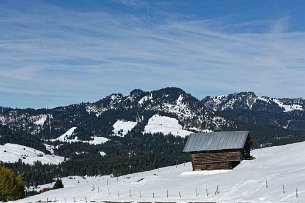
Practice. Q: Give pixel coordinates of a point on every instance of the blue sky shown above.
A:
(54, 53)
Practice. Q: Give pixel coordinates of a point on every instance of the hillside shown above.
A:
(12, 153)
(140, 131)
(246, 183)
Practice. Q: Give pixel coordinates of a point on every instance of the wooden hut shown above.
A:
(218, 150)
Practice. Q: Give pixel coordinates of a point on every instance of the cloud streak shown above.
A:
(56, 50)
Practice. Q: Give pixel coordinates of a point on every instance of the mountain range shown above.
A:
(147, 127)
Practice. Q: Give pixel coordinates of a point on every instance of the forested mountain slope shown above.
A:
(143, 130)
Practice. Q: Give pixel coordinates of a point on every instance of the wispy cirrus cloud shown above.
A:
(47, 48)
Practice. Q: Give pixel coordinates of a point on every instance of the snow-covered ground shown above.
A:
(11, 153)
(41, 120)
(165, 125)
(97, 140)
(67, 137)
(121, 128)
(274, 176)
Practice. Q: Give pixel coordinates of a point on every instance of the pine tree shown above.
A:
(58, 184)
(11, 185)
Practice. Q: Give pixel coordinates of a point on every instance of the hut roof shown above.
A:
(216, 141)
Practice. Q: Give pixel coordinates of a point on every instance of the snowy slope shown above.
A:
(121, 128)
(246, 183)
(41, 120)
(66, 137)
(11, 153)
(165, 125)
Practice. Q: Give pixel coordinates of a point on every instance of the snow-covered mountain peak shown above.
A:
(250, 101)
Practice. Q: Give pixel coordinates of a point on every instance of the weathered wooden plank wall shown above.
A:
(215, 159)
(219, 156)
(212, 166)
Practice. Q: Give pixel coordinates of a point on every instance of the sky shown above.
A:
(56, 53)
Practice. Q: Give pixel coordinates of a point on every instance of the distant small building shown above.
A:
(218, 150)
(45, 190)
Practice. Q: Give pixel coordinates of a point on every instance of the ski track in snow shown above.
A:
(246, 183)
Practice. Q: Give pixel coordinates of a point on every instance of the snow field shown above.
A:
(11, 153)
(258, 180)
(156, 124)
(66, 138)
(121, 128)
(41, 120)
(165, 125)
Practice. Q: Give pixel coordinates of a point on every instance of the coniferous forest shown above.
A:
(134, 154)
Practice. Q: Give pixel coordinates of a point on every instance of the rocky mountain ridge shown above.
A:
(141, 131)
(238, 111)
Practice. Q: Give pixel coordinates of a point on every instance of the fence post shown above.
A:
(217, 190)
(207, 191)
(296, 193)
(180, 195)
(283, 189)
(266, 184)
(166, 193)
(153, 195)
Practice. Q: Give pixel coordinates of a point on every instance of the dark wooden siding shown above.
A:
(213, 160)
(213, 166)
